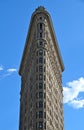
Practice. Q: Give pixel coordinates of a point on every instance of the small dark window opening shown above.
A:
(37, 96)
(44, 86)
(36, 125)
(40, 68)
(40, 52)
(44, 104)
(40, 77)
(44, 69)
(40, 104)
(45, 125)
(40, 85)
(40, 114)
(44, 77)
(36, 115)
(40, 125)
(44, 95)
(40, 26)
(40, 95)
(40, 60)
(40, 18)
(40, 34)
(44, 61)
(44, 53)
(41, 43)
(44, 114)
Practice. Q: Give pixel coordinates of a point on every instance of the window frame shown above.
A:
(40, 85)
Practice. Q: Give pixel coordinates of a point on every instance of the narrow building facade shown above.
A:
(41, 96)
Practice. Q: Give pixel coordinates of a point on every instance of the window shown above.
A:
(44, 105)
(44, 61)
(40, 104)
(40, 85)
(40, 34)
(40, 94)
(40, 60)
(44, 86)
(40, 26)
(44, 77)
(44, 69)
(41, 43)
(36, 125)
(40, 52)
(44, 95)
(40, 125)
(44, 53)
(40, 68)
(37, 114)
(44, 44)
(37, 96)
(44, 114)
(40, 77)
(44, 125)
(40, 18)
(37, 105)
(40, 114)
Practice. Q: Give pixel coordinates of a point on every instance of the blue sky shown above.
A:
(68, 21)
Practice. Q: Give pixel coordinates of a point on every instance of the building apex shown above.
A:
(40, 8)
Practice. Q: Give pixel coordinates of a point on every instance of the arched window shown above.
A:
(40, 30)
(40, 52)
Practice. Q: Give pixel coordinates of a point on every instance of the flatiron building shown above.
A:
(41, 95)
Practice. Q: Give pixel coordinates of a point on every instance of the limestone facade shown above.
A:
(41, 98)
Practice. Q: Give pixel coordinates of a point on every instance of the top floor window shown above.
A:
(40, 30)
(41, 43)
(40, 26)
(40, 18)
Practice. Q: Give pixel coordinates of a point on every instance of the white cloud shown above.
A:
(7, 72)
(1, 68)
(12, 70)
(77, 103)
(72, 91)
